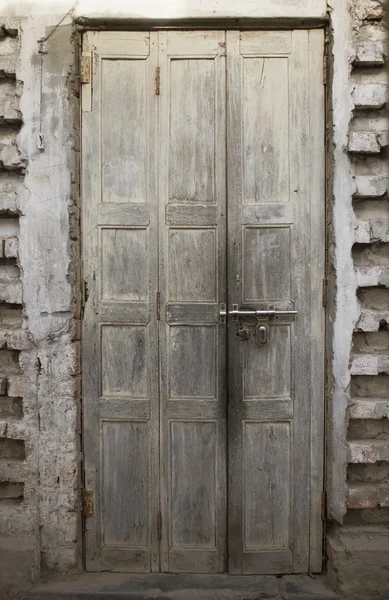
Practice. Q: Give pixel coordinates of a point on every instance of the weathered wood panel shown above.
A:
(265, 124)
(124, 148)
(192, 276)
(120, 261)
(266, 450)
(126, 455)
(271, 161)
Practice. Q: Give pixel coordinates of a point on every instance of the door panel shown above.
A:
(272, 229)
(234, 137)
(192, 284)
(120, 352)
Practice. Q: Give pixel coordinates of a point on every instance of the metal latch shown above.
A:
(261, 334)
(243, 312)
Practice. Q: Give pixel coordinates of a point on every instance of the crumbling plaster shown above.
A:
(343, 314)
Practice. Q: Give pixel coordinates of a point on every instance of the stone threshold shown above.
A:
(120, 586)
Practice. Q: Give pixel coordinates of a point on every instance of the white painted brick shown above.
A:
(370, 53)
(367, 232)
(369, 408)
(9, 154)
(11, 247)
(363, 142)
(368, 495)
(11, 292)
(10, 188)
(370, 95)
(373, 10)
(383, 139)
(368, 451)
(18, 386)
(14, 339)
(372, 276)
(362, 232)
(369, 364)
(370, 320)
(9, 102)
(370, 186)
(9, 48)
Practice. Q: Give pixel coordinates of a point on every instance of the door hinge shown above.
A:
(88, 503)
(85, 294)
(86, 68)
(158, 305)
(324, 293)
(159, 525)
(157, 80)
(323, 506)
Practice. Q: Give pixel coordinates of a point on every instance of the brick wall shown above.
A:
(359, 549)
(368, 425)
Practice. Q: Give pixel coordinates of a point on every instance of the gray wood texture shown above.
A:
(240, 116)
(193, 284)
(120, 348)
(275, 257)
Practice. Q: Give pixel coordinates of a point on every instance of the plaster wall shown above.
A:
(40, 289)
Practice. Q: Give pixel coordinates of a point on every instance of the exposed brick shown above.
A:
(374, 10)
(14, 339)
(18, 386)
(11, 247)
(11, 407)
(9, 47)
(11, 292)
(368, 232)
(12, 449)
(372, 276)
(370, 54)
(11, 490)
(368, 451)
(362, 495)
(370, 95)
(364, 142)
(9, 154)
(370, 186)
(369, 408)
(9, 102)
(369, 364)
(3, 386)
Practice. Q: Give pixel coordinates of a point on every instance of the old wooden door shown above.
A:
(202, 198)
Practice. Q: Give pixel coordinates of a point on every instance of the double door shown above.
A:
(203, 247)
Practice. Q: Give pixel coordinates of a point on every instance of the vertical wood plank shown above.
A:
(90, 190)
(120, 343)
(234, 261)
(192, 282)
(317, 137)
(301, 295)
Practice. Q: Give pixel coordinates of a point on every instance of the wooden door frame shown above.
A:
(84, 25)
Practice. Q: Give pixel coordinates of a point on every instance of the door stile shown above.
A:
(317, 141)
(91, 190)
(301, 293)
(163, 136)
(234, 261)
